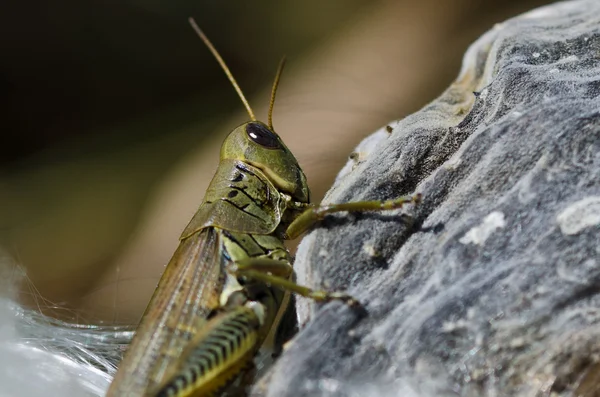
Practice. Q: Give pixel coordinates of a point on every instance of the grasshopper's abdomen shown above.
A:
(219, 354)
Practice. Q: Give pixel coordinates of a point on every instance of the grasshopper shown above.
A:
(221, 292)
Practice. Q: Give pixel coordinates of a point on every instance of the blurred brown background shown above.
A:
(113, 113)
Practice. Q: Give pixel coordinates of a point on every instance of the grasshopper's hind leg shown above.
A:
(277, 273)
(222, 350)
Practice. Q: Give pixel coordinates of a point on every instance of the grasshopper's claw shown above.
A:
(417, 198)
(350, 301)
(347, 299)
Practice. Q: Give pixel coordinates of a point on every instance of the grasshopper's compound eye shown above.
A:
(262, 136)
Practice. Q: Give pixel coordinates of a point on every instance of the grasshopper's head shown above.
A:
(258, 145)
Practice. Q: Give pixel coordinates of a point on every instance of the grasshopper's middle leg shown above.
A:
(277, 273)
(315, 214)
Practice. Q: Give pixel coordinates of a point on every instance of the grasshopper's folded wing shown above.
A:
(187, 292)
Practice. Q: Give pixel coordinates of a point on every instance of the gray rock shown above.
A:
(492, 289)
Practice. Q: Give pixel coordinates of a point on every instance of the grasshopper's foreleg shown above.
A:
(277, 273)
(315, 214)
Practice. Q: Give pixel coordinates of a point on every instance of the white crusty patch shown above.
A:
(579, 215)
(478, 234)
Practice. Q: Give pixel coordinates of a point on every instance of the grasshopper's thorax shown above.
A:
(238, 247)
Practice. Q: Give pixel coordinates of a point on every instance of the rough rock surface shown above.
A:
(493, 288)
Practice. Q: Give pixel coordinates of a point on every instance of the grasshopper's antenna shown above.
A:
(223, 65)
(274, 91)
